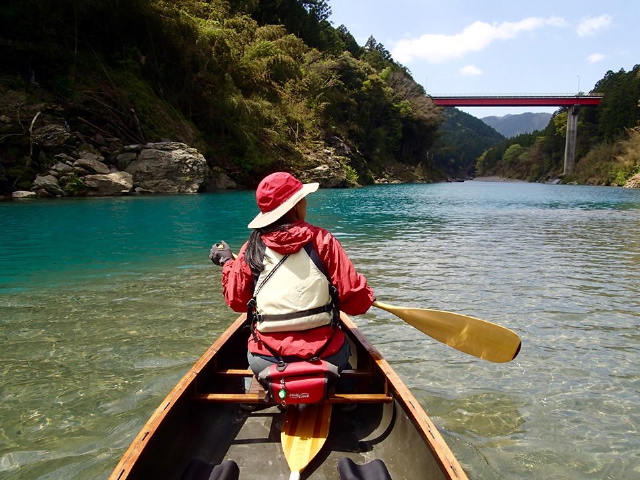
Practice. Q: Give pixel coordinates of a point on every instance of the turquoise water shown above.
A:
(105, 303)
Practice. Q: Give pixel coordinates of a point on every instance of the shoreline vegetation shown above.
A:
(255, 87)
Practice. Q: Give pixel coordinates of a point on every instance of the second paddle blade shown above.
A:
(304, 432)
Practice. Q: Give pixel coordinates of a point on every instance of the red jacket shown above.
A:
(356, 296)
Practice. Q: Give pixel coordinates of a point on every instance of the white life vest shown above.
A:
(293, 296)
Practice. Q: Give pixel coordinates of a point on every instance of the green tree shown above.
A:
(417, 113)
(349, 43)
(512, 155)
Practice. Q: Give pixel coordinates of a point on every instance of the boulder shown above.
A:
(328, 176)
(51, 136)
(328, 168)
(64, 158)
(123, 160)
(633, 182)
(91, 163)
(100, 185)
(219, 180)
(169, 167)
(60, 169)
(23, 194)
(47, 186)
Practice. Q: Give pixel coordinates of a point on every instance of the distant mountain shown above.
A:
(512, 125)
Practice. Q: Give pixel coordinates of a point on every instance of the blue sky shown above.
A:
(500, 47)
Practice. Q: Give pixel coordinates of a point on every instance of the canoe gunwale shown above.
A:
(186, 390)
(426, 428)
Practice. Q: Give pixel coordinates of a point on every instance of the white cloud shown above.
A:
(596, 57)
(438, 48)
(590, 25)
(470, 70)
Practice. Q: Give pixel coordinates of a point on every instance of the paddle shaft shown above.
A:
(470, 335)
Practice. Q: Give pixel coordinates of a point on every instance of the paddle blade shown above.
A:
(304, 432)
(470, 335)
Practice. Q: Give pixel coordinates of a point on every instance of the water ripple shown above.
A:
(98, 326)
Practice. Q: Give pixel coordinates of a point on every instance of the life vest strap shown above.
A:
(333, 307)
(333, 290)
(293, 315)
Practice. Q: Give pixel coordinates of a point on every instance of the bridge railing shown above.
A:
(514, 95)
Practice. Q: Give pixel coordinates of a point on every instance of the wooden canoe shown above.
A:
(202, 419)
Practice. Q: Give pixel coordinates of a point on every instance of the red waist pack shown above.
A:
(298, 382)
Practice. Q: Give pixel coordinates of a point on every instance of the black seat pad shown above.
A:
(199, 470)
(374, 470)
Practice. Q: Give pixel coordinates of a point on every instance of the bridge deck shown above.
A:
(515, 101)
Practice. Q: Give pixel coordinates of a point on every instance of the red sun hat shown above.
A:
(276, 195)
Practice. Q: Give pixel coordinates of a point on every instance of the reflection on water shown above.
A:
(105, 303)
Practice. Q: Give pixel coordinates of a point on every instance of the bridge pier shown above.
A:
(572, 102)
(570, 143)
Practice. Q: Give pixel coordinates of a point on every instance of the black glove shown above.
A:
(220, 253)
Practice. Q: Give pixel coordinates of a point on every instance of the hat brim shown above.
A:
(264, 219)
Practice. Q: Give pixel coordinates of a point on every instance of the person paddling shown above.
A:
(292, 278)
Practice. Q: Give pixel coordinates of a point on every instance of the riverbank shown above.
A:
(497, 179)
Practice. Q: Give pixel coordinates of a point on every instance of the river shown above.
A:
(105, 303)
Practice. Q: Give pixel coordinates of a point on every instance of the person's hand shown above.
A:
(220, 253)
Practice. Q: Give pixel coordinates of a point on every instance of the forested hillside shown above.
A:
(462, 138)
(254, 85)
(608, 148)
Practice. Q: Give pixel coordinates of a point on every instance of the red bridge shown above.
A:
(516, 100)
(573, 102)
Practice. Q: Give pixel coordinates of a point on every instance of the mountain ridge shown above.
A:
(513, 125)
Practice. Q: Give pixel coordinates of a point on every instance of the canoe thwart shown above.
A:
(238, 372)
(259, 398)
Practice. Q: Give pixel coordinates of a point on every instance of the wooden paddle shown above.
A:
(470, 335)
(304, 431)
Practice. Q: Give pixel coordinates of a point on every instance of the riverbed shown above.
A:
(105, 303)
